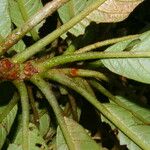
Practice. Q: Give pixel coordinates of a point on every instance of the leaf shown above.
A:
(79, 137)
(133, 126)
(19, 47)
(5, 21)
(32, 6)
(133, 68)
(5, 25)
(110, 11)
(123, 139)
(14, 147)
(36, 142)
(6, 123)
(44, 124)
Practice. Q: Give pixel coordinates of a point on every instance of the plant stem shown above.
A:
(73, 106)
(104, 43)
(33, 106)
(104, 91)
(74, 72)
(17, 34)
(46, 90)
(95, 64)
(26, 17)
(59, 60)
(101, 107)
(25, 113)
(70, 49)
(37, 47)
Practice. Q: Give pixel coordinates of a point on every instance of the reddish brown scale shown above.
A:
(8, 70)
(74, 72)
(14, 73)
(29, 69)
(6, 64)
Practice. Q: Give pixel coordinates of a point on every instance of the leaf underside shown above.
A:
(133, 68)
(79, 137)
(139, 127)
(110, 11)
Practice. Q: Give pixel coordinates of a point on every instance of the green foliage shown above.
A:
(44, 124)
(137, 69)
(5, 25)
(6, 122)
(110, 11)
(35, 123)
(135, 119)
(79, 136)
(31, 7)
(36, 141)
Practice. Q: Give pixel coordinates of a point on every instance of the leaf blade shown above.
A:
(109, 11)
(6, 124)
(5, 23)
(137, 68)
(140, 132)
(32, 6)
(81, 141)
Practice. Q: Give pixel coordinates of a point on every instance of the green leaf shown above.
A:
(5, 25)
(6, 123)
(44, 124)
(110, 11)
(124, 140)
(79, 137)
(32, 6)
(5, 21)
(14, 147)
(133, 68)
(36, 142)
(137, 128)
(19, 47)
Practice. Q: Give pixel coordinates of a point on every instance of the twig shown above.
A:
(17, 34)
(106, 42)
(37, 47)
(59, 60)
(25, 17)
(46, 90)
(25, 113)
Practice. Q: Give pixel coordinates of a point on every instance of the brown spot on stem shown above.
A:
(74, 72)
(29, 69)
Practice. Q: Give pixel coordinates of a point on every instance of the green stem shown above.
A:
(73, 105)
(46, 90)
(9, 107)
(26, 17)
(71, 48)
(81, 73)
(104, 91)
(33, 106)
(95, 64)
(25, 113)
(37, 47)
(101, 107)
(104, 43)
(84, 84)
(17, 34)
(59, 60)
